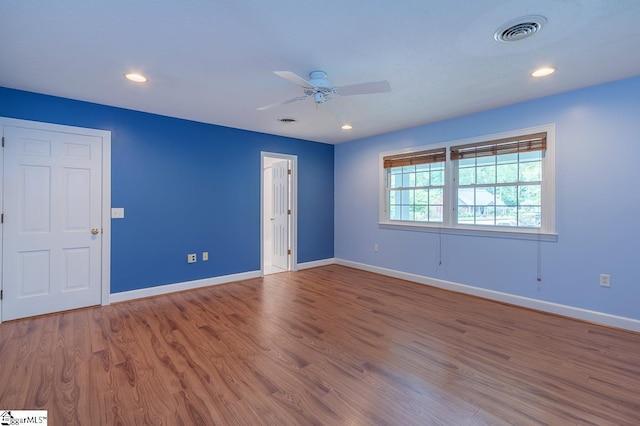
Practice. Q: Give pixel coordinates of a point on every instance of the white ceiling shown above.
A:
(213, 61)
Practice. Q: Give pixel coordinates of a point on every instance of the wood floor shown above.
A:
(327, 346)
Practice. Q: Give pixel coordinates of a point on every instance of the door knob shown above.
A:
(95, 231)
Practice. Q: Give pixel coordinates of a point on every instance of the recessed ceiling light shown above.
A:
(346, 127)
(542, 72)
(135, 77)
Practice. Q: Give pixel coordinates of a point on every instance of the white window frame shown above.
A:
(547, 232)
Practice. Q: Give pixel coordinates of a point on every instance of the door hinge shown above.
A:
(288, 170)
(289, 211)
(289, 251)
(1, 294)
(3, 141)
(2, 218)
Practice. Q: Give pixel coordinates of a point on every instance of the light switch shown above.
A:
(117, 213)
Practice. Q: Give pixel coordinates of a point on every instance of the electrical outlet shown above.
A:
(605, 280)
(376, 247)
(205, 256)
(191, 258)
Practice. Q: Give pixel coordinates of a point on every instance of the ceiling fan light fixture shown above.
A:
(543, 72)
(319, 97)
(135, 77)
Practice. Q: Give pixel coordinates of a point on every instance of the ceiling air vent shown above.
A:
(287, 120)
(520, 28)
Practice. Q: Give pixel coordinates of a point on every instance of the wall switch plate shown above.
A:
(376, 247)
(191, 258)
(117, 213)
(205, 255)
(605, 280)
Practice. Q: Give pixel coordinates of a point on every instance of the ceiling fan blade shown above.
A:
(364, 88)
(294, 78)
(299, 98)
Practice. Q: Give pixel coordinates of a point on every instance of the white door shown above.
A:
(51, 257)
(281, 213)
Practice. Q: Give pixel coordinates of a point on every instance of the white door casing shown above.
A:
(280, 216)
(53, 246)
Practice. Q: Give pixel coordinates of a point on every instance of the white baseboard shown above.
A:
(190, 285)
(316, 263)
(540, 305)
(187, 285)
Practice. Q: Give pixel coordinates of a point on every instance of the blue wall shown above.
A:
(189, 187)
(597, 205)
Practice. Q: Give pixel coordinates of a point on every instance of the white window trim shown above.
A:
(448, 226)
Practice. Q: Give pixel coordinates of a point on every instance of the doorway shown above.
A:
(278, 213)
(55, 213)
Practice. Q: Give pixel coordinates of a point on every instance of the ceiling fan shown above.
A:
(321, 90)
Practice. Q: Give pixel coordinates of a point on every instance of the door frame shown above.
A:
(105, 135)
(293, 220)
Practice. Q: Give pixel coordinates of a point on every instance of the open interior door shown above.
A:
(281, 213)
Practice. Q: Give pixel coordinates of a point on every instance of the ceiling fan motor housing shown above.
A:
(322, 88)
(319, 80)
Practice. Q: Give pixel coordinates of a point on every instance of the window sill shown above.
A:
(518, 234)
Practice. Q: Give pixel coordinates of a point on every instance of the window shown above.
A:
(416, 185)
(502, 183)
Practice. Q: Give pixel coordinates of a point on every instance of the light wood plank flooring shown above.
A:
(326, 346)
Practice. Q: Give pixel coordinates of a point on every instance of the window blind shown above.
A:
(414, 158)
(526, 143)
